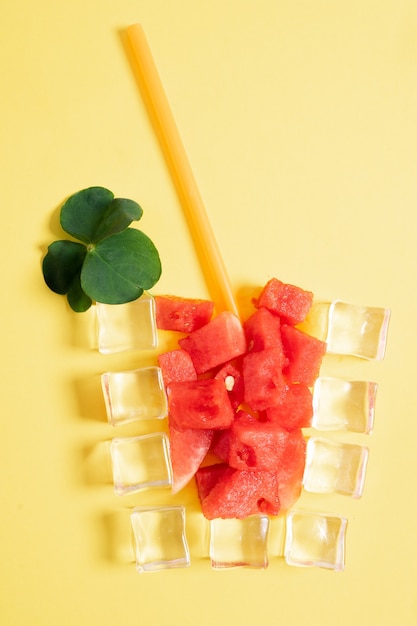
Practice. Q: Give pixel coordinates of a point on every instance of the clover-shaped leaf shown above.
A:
(93, 214)
(120, 267)
(114, 264)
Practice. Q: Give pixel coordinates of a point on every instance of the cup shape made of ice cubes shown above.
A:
(134, 395)
(239, 542)
(160, 538)
(130, 326)
(340, 404)
(140, 462)
(335, 467)
(315, 540)
(357, 330)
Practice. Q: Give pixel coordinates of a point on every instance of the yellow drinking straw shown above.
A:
(200, 227)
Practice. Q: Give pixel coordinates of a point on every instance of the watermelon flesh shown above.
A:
(200, 404)
(241, 392)
(232, 378)
(295, 409)
(182, 314)
(216, 343)
(258, 446)
(305, 354)
(176, 366)
(197, 442)
(263, 379)
(290, 471)
(220, 445)
(237, 494)
(208, 476)
(289, 302)
(262, 330)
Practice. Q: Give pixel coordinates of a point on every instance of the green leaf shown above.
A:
(114, 264)
(94, 214)
(82, 213)
(120, 267)
(119, 215)
(77, 298)
(62, 264)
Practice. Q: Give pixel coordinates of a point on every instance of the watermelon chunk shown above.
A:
(188, 447)
(290, 302)
(262, 330)
(290, 471)
(263, 380)
(238, 494)
(305, 354)
(200, 404)
(206, 477)
(176, 366)
(295, 409)
(233, 381)
(216, 343)
(266, 366)
(220, 444)
(258, 446)
(182, 314)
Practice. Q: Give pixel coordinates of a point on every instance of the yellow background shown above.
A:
(300, 120)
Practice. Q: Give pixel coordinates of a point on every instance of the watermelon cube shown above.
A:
(295, 409)
(263, 380)
(176, 365)
(216, 343)
(238, 494)
(290, 471)
(208, 476)
(262, 330)
(289, 302)
(188, 447)
(200, 404)
(233, 381)
(257, 446)
(220, 444)
(182, 314)
(305, 354)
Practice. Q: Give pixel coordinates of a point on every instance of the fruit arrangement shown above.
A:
(238, 399)
(237, 393)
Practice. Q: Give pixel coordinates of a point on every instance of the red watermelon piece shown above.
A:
(233, 381)
(305, 355)
(216, 343)
(220, 444)
(290, 472)
(206, 477)
(182, 314)
(188, 447)
(290, 302)
(295, 409)
(176, 366)
(258, 446)
(262, 330)
(263, 380)
(200, 404)
(238, 494)
(266, 366)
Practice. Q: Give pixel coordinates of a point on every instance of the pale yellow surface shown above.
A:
(300, 121)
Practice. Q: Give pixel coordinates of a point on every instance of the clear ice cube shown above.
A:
(130, 326)
(357, 330)
(335, 467)
(140, 462)
(159, 537)
(134, 395)
(239, 542)
(315, 540)
(340, 404)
